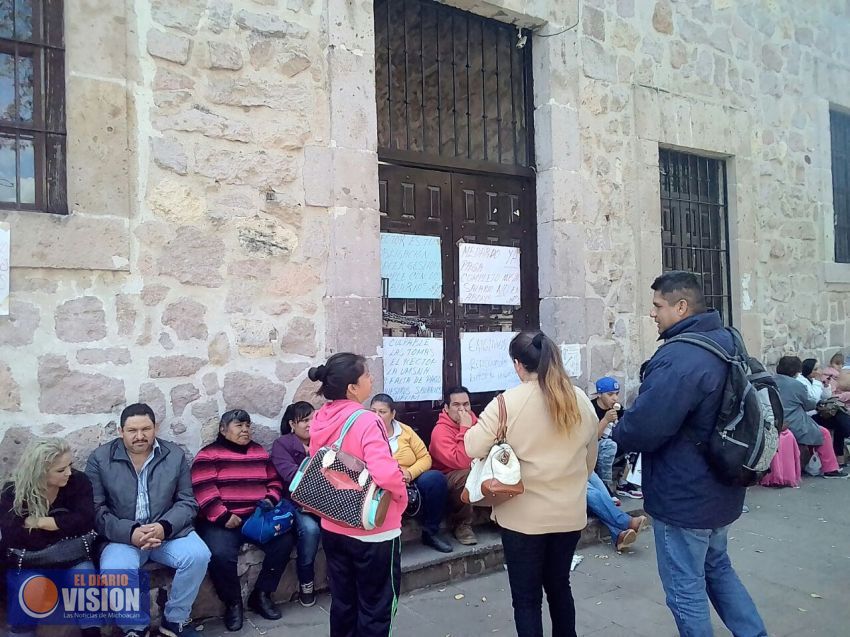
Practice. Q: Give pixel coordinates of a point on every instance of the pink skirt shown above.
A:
(785, 468)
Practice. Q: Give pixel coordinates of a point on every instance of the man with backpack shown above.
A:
(673, 423)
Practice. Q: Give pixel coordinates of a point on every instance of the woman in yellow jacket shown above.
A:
(415, 462)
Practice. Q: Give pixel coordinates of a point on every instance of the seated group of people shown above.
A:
(816, 405)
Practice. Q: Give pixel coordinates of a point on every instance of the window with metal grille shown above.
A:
(32, 106)
(839, 126)
(695, 224)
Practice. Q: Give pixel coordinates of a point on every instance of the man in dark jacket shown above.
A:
(145, 507)
(677, 407)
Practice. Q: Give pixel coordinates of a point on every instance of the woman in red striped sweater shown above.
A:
(230, 477)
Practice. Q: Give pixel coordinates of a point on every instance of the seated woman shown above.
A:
(836, 420)
(785, 468)
(46, 501)
(415, 462)
(623, 527)
(288, 452)
(796, 401)
(230, 477)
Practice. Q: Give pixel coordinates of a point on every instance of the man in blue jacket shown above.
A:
(677, 407)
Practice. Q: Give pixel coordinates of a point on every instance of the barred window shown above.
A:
(839, 126)
(32, 106)
(694, 223)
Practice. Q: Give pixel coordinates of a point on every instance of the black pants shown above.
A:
(839, 426)
(224, 545)
(538, 563)
(364, 578)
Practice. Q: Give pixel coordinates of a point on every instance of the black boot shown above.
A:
(234, 616)
(261, 603)
(436, 542)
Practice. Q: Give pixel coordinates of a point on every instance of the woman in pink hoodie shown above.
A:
(364, 567)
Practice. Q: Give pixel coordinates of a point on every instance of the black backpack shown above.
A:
(746, 437)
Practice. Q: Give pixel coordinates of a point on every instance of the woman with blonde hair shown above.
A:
(551, 426)
(45, 502)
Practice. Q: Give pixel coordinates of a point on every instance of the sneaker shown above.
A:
(841, 475)
(306, 595)
(465, 535)
(630, 491)
(176, 629)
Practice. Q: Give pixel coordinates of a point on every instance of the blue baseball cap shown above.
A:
(606, 384)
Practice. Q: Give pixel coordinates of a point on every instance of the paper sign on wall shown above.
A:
(413, 266)
(571, 355)
(485, 363)
(5, 241)
(489, 274)
(413, 368)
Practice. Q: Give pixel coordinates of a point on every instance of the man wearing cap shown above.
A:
(609, 410)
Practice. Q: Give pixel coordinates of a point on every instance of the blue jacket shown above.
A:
(677, 406)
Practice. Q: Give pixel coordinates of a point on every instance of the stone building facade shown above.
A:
(222, 175)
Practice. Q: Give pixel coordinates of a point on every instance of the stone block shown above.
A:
(299, 337)
(211, 386)
(219, 13)
(19, 327)
(355, 178)
(352, 100)
(571, 319)
(355, 244)
(193, 257)
(152, 396)
(290, 96)
(81, 320)
(219, 350)
(168, 80)
(206, 411)
(104, 30)
(65, 392)
(125, 314)
(225, 56)
(15, 440)
(559, 195)
(287, 372)
(183, 395)
(353, 325)
(557, 132)
(110, 355)
(270, 24)
(198, 120)
(561, 259)
(593, 23)
(255, 394)
(187, 318)
(662, 17)
(318, 176)
(598, 63)
(174, 366)
(351, 25)
(263, 237)
(168, 46)
(169, 154)
(556, 69)
(183, 15)
(153, 294)
(10, 391)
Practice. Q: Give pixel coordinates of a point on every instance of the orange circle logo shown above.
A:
(38, 596)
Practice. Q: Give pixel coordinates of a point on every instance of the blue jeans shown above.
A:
(606, 452)
(434, 489)
(695, 568)
(599, 504)
(188, 555)
(309, 533)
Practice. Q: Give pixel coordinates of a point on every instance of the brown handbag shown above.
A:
(496, 492)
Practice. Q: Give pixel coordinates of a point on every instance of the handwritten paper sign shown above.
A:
(413, 368)
(571, 355)
(413, 266)
(489, 274)
(484, 361)
(5, 241)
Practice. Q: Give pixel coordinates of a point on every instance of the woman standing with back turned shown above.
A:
(364, 567)
(551, 426)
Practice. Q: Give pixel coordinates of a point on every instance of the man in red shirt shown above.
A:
(448, 455)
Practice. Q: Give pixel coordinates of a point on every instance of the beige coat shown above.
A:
(555, 466)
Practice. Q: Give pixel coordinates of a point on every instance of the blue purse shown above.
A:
(267, 523)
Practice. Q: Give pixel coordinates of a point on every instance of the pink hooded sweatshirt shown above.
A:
(367, 439)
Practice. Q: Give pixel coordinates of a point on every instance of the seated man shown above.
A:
(448, 456)
(609, 410)
(144, 507)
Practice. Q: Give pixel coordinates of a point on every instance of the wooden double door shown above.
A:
(458, 207)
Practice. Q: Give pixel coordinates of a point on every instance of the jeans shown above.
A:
(224, 545)
(606, 452)
(538, 563)
(599, 504)
(309, 533)
(364, 579)
(434, 488)
(695, 569)
(188, 555)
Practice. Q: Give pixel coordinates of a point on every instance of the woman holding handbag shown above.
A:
(551, 427)
(46, 502)
(364, 566)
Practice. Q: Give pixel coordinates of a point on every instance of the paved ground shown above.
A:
(791, 550)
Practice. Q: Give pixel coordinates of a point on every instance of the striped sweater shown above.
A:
(229, 478)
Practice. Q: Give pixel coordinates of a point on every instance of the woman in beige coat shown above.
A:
(551, 426)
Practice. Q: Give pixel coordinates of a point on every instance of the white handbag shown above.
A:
(496, 478)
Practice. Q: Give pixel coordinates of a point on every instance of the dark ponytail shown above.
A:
(536, 352)
(340, 371)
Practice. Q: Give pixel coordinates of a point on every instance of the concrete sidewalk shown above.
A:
(791, 551)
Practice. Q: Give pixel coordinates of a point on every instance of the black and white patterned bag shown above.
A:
(337, 486)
